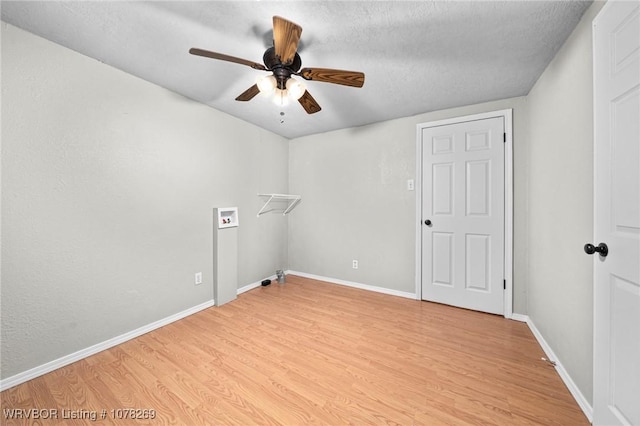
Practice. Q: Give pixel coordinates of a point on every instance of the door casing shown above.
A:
(507, 115)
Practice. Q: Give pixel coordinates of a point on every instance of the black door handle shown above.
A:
(601, 248)
(427, 222)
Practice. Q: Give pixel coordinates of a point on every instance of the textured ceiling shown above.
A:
(417, 56)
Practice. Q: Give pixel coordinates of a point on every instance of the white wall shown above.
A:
(108, 186)
(353, 183)
(560, 204)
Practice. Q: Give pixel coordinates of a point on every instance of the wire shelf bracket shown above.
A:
(277, 199)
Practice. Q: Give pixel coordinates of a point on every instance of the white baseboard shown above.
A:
(40, 370)
(32, 373)
(355, 285)
(255, 285)
(518, 317)
(583, 403)
(25, 376)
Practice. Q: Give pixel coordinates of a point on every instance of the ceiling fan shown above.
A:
(283, 61)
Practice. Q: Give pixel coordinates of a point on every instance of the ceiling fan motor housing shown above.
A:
(282, 72)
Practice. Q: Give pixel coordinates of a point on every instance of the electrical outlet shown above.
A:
(355, 264)
(198, 278)
(410, 185)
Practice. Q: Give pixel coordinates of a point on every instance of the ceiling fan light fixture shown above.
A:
(281, 97)
(295, 88)
(266, 84)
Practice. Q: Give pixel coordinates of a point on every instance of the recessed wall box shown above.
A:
(225, 255)
(227, 217)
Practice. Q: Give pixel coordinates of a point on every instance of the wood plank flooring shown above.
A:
(313, 352)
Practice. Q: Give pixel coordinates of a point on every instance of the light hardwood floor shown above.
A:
(313, 352)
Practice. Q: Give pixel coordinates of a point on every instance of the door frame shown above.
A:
(507, 115)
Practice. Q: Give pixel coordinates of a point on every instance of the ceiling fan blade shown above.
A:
(248, 94)
(346, 78)
(286, 36)
(223, 57)
(309, 103)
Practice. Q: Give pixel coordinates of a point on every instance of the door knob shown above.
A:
(427, 222)
(600, 248)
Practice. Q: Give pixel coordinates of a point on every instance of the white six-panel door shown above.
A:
(616, 396)
(463, 214)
